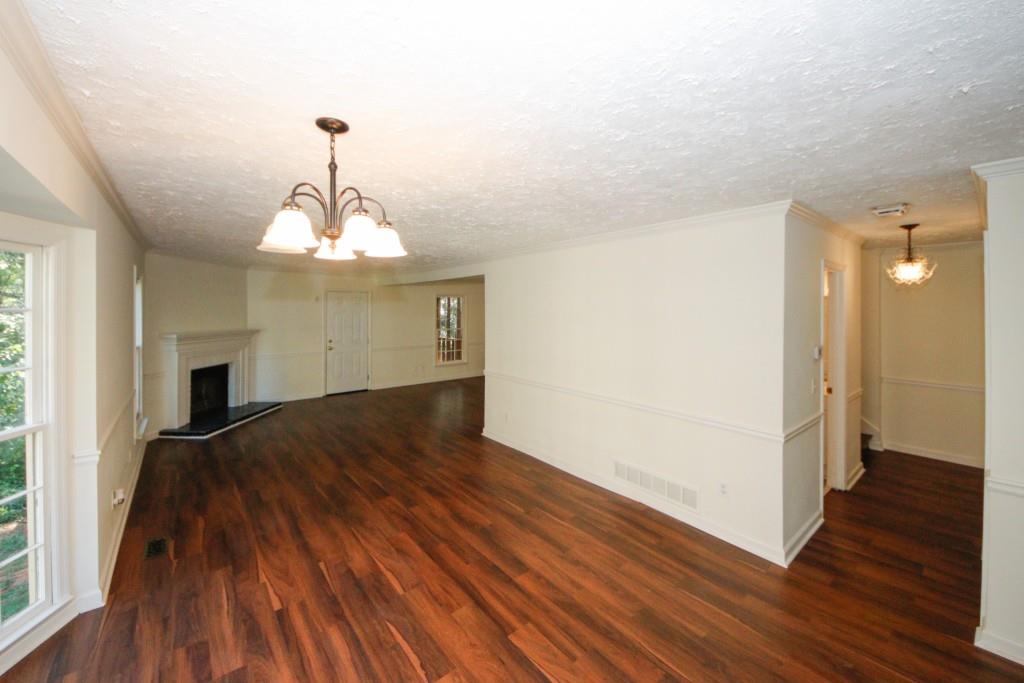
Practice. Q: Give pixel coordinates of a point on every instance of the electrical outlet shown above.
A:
(117, 498)
(723, 489)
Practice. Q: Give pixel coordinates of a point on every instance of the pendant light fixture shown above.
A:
(910, 268)
(292, 233)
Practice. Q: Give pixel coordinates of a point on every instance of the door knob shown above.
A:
(828, 390)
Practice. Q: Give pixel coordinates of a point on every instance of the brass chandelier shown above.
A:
(911, 267)
(292, 233)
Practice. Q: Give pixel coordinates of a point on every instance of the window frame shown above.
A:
(139, 376)
(461, 329)
(39, 416)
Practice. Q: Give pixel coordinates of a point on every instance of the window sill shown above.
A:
(451, 362)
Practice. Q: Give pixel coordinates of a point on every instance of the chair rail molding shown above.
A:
(933, 385)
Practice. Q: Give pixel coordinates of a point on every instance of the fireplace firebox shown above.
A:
(209, 391)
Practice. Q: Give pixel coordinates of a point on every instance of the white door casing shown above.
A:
(347, 340)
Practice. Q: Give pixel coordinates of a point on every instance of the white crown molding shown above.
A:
(998, 169)
(824, 222)
(19, 40)
(476, 266)
(982, 173)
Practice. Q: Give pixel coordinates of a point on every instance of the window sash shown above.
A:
(449, 346)
(38, 383)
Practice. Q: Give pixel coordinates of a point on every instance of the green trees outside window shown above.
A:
(15, 453)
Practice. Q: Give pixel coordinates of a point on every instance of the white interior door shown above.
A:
(348, 341)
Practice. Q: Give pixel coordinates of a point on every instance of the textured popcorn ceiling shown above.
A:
(490, 127)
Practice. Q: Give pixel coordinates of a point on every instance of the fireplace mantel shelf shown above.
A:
(179, 338)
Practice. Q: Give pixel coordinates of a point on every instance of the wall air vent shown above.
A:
(670, 490)
(893, 210)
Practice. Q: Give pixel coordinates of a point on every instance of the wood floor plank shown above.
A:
(379, 537)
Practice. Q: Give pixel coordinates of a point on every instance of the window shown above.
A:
(449, 330)
(23, 549)
(140, 422)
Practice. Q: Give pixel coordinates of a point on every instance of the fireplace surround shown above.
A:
(188, 352)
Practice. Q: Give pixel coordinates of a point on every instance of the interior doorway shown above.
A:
(347, 342)
(833, 378)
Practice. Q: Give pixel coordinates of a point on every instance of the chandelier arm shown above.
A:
(341, 207)
(319, 196)
(362, 198)
(383, 211)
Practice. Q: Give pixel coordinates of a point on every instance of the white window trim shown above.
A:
(39, 406)
(30, 628)
(462, 328)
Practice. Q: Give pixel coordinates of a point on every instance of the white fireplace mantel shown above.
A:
(188, 351)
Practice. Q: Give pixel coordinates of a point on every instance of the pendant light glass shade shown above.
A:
(333, 250)
(274, 248)
(359, 231)
(291, 228)
(386, 243)
(910, 270)
(911, 267)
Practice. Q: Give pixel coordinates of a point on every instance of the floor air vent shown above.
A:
(675, 492)
(156, 547)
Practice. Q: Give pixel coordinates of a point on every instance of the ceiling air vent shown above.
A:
(893, 210)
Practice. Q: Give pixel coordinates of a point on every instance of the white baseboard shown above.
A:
(115, 543)
(855, 476)
(800, 538)
(955, 458)
(1001, 646)
(86, 602)
(775, 555)
(429, 380)
(36, 633)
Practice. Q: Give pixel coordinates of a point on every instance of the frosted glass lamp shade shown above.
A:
(268, 244)
(910, 270)
(386, 243)
(291, 228)
(333, 250)
(359, 229)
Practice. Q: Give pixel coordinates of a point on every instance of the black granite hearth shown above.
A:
(211, 422)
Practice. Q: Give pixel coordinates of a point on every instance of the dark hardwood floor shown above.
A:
(378, 536)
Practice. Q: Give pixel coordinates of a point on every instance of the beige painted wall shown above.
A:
(924, 367)
(183, 295)
(402, 339)
(288, 309)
